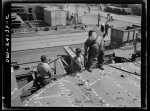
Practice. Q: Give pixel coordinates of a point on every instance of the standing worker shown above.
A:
(99, 18)
(102, 29)
(108, 17)
(106, 29)
(44, 70)
(93, 49)
(101, 55)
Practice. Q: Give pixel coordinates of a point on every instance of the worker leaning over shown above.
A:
(44, 70)
(94, 48)
(78, 63)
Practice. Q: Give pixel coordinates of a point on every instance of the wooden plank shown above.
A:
(122, 69)
(21, 90)
(70, 52)
(59, 67)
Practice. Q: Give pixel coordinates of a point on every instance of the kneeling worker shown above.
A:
(44, 70)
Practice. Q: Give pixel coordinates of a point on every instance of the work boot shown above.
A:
(89, 69)
(101, 67)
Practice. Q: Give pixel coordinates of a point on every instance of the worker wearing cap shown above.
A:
(78, 63)
(44, 70)
(80, 57)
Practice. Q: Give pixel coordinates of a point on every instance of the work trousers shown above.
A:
(101, 57)
(40, 82)
(95, 52)
(45, 81)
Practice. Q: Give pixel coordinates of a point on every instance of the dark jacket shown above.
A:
(94, 45)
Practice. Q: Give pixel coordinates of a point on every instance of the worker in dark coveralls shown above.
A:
(94, 48)
(78, 62)
(44, 70)
(106, 29)
(98, 18)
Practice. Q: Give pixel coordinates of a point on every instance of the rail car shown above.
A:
(123, 35)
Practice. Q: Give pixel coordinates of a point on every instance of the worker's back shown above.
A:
(44, 69)
(95, 48)
(90, 41)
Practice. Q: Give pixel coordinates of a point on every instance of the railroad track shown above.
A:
(47, 41)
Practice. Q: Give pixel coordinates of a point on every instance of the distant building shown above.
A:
(54, 16)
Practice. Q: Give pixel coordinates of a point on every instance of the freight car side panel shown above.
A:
(130, 35)
(121, 35)
(125, 36)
